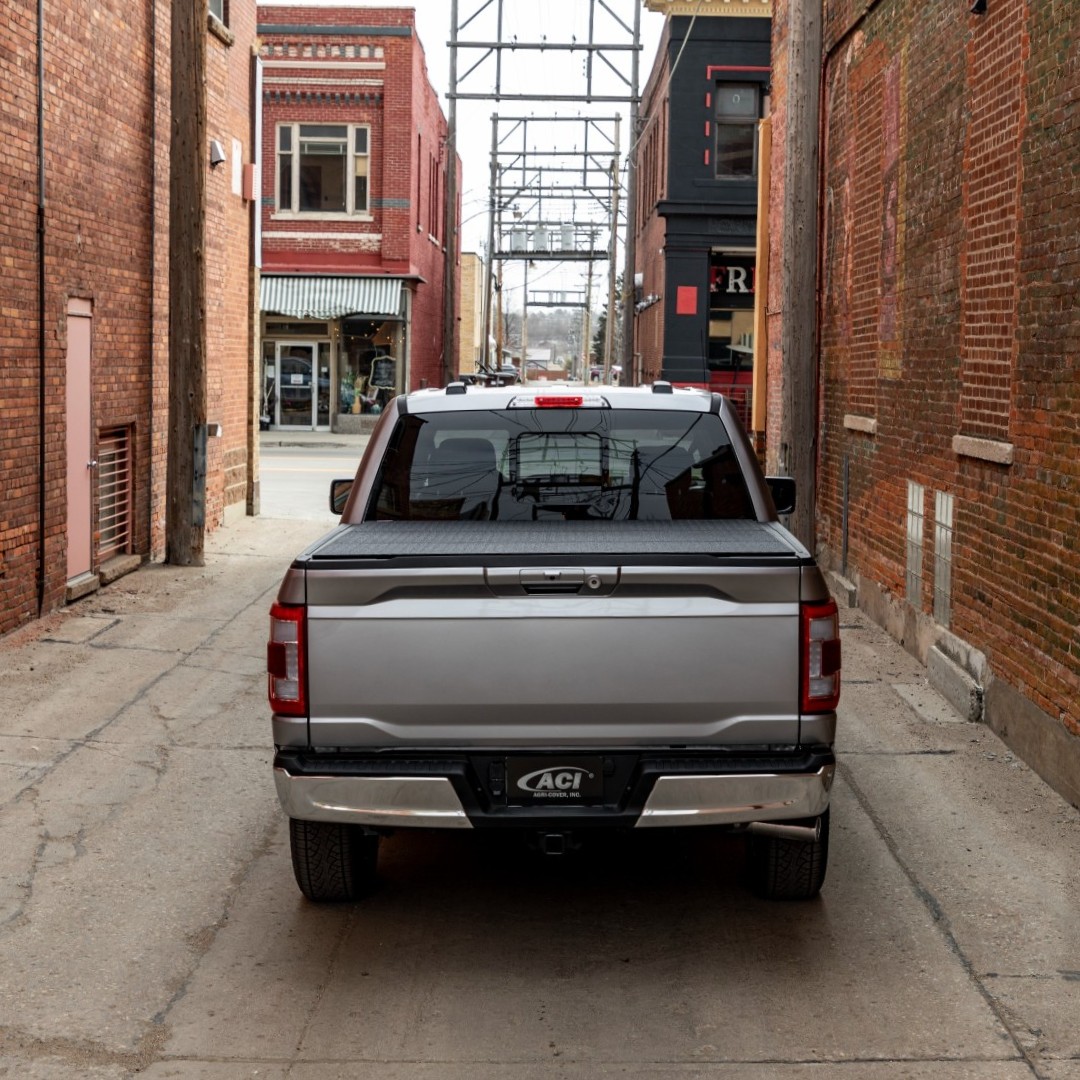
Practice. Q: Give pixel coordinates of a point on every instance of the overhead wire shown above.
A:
(667, 83)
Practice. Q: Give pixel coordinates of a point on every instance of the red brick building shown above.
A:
(84, 273)
(353, 229)
(949, 461)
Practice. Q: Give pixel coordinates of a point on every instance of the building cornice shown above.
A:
(746, 9)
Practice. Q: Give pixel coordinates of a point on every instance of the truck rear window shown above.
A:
(560, 464)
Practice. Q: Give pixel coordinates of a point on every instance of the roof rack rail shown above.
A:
(457, 388)
(661, 387)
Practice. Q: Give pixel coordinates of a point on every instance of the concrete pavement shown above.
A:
(149, 924)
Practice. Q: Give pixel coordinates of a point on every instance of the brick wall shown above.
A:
(949, 327)
(405, 232)
(18, 319)
(106, 244)
(653, 164)
(97, 248)
(231, 379)
(427, 245)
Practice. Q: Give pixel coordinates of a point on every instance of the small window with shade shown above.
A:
(738, 109)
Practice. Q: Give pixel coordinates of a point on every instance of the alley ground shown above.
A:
(149, 923)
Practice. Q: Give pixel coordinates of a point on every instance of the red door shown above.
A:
(80, 464)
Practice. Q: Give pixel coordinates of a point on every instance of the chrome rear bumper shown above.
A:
(427, 802)
(733, 800)
(431, 801)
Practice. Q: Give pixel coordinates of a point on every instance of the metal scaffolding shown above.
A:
(554, 191)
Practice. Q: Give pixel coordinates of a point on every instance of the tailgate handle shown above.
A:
(552, 580)
(583, 580)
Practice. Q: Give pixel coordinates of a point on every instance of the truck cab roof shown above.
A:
(459, 397)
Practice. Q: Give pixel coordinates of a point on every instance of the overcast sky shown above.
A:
(558, 20)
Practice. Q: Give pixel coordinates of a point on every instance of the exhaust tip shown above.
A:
(807, 834)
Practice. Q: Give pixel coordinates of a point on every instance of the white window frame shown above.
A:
(721, 121)
(294, 211)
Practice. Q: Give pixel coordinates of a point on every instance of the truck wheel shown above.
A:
(789, 869)
(332, 861)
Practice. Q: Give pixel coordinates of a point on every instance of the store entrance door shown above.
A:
(303, 385)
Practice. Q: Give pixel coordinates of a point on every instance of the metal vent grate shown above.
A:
(915, 524)
(943, 556)
(114, 492)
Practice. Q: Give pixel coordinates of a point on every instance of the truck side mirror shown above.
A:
(339, 495)
(783, 493)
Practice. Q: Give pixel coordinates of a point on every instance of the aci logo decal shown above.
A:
(556, 781)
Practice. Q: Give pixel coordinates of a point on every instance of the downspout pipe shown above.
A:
(151, 359)
(41, 303)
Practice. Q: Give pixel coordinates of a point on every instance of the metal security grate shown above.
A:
(114, 492)
(915, 522)
(943, 556)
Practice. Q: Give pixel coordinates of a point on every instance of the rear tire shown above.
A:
(789, 869)
(332, 861)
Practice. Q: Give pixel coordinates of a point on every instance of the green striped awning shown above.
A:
(330, 297)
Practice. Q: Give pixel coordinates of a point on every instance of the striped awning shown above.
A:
(330, 297)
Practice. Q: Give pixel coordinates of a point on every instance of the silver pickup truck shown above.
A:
(560, 610)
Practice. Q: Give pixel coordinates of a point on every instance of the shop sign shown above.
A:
(732, 281)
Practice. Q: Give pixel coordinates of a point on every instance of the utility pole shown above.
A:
(485, 319)
(586, 332)
(525, 322)
(609, 325)
(451, 238)
(185, 480)
(499, 319)
(798, 425)
(629, 375)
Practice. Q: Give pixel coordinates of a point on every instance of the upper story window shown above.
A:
(738, 109)
(323, 168)
(220, 10)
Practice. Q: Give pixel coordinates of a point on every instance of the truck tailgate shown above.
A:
(688, 650)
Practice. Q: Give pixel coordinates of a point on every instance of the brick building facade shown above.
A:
(353, 229)
(84, 227)
(949, 461)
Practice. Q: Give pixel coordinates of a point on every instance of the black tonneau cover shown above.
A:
(595, 539)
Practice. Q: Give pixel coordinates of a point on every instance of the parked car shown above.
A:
(502, 376)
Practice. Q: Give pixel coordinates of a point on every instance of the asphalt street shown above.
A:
(150, 925)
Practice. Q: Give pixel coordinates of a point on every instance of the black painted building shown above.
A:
(698, 161)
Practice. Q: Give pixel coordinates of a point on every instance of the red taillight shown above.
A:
(286, 660)
(558, 401)
(820, 660)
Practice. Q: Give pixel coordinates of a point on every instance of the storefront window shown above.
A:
(370, 365)
(732, 283)
(296, 376)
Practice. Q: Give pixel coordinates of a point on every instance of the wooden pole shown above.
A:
(759, 391)
(185, 482)
(797, 452)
